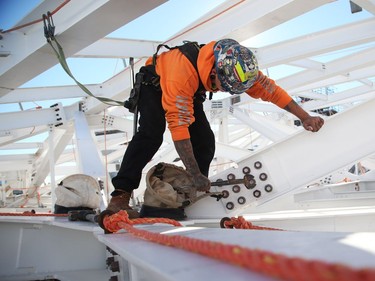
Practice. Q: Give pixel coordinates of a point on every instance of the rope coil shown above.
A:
(275, 265)
(117, 221)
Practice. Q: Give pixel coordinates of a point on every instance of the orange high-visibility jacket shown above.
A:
(179, 82)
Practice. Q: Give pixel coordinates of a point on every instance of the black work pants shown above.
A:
(149, 137)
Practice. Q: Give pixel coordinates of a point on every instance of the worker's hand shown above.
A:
(201, 183)
(313, 123)
(185, 151)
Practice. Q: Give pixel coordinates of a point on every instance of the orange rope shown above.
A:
(113, 223)
(32, 214)
(241, 223)
(275, 265)
(38, 20)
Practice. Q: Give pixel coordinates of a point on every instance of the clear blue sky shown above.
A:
(92, 71)
(11, 11)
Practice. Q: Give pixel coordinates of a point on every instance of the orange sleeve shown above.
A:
(267, 90)
(179, 81)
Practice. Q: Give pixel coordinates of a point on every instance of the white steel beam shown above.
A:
(111, 123)
(243, 19)
(296, 161)
(11, 136)
(119, 48)
(356, 75)
(340, 66)
(351, 95)
(13, 166)
(62, 138)
(48, 93)
(269, 128)
(16, 146)
(29, 238)
(285, 52)
(17, 157)
(317, 43)
(32, 118)
(89, 161)
(119, 86)
(151, 261)
(368, 5)
(30, 53)
(235, 154)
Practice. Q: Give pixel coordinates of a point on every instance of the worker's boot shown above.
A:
(121, 202)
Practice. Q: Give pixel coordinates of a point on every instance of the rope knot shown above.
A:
(111, 223)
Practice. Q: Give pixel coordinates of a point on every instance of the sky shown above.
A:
(93, 71)
(86, 70)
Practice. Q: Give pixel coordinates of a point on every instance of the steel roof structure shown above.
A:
(333, 70)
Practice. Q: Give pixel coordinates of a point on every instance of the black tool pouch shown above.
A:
(151, 78)
(132, 102)
(200, 97)
(146, 76)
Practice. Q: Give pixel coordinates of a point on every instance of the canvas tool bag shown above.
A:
(169, 189)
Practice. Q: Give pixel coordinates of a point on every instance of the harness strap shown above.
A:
(49, 30)
(189, 50)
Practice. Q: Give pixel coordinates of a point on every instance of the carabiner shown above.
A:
(49, 27)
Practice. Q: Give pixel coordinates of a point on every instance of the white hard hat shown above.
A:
(78, 191)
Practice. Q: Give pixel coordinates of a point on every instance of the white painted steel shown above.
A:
(151, 261)
(52, 162)
(39, 248)
(316, 43)
(90, 162)
(31, 55)
(77, 251)
(119, 48)
(27, 119)
(297, 161)
(238, 19)
(369, 5)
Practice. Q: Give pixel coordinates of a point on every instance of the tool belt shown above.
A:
(146, 76)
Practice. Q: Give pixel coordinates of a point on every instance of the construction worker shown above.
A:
(225, 66)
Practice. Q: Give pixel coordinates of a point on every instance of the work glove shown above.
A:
(201, 183)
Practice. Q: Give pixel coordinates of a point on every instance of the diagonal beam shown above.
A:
(317, 43)
(340, 66)
(34, 55)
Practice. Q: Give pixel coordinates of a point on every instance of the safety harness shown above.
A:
(49, 33)
(189, 49)
(147, 74)
(169, 188)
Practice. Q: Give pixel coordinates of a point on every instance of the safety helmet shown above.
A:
(78, 190)
(236, 66)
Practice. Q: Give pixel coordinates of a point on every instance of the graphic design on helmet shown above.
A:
(236, 66)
